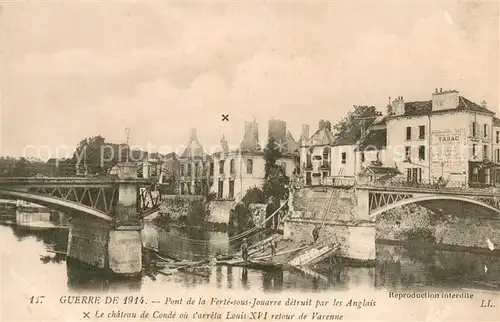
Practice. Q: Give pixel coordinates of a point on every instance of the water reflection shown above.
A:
(398, 267)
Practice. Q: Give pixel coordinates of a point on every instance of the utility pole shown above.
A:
(127, 132)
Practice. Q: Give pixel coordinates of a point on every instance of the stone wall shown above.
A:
(470, 232)
(88, 241)
(312, 202)
(175, 206)
(356, 241)
(124, 252)
(446, 228)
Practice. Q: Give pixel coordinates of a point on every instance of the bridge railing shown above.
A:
(432, 184)
(334, 181)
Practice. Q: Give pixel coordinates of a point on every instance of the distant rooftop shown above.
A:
(425, 107)
(194, 148)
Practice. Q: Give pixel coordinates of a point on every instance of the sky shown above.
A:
(77, 69)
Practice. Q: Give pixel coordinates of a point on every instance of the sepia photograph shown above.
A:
(249, 160)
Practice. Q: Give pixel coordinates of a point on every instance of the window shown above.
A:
(232, 167)
(189, 169)
(211, 168)
(231, 189)
(220, 190)
(407, 152)
(485, 132)
(182, 169)
(344, 157)
(325, 174)
(474, 150)
(498, 137)
(474, 129)
(249, 166)
(308, 160)
(308, 178)
(362, 156)
(485, 151)
(283, 167)
(414, 174)
(421, 132)
(421, 152)
(498, 156)
(408, 133)
(326, 153)
(221, 167)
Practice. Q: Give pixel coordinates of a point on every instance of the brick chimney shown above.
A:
(305, 132)
(398, 106)
(325, 124)
(277, 130)
(446, 100)
(328, 125)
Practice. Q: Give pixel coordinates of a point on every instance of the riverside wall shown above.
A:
(455, 224)
(310, 208)
(448, 223)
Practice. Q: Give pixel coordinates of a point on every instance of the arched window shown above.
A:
(232, 168)
(221, 167)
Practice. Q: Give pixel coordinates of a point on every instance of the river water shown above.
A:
(29, 255)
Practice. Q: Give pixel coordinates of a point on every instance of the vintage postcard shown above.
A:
(249, 160)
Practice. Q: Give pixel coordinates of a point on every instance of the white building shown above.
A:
(328, 159)
(446, 137)
(196, 168)
(237, 171)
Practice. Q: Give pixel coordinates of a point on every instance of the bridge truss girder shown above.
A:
(378, 200)
(103, 198)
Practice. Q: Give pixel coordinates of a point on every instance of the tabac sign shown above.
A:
(448, 152)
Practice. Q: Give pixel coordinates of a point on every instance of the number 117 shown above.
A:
(37, 299)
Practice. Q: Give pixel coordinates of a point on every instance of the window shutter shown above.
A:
(471, 128)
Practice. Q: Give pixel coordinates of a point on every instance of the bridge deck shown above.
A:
(69, 181)
(486, 192)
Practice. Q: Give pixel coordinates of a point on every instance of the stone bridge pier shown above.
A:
(116, 245)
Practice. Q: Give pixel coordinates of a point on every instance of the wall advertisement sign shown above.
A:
(448, 152)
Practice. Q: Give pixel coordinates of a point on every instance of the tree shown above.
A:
(360, 113)
(97, 156)
(271, 155)
(274, 179)
(388, 109)
(21, 168)
(253, 195)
